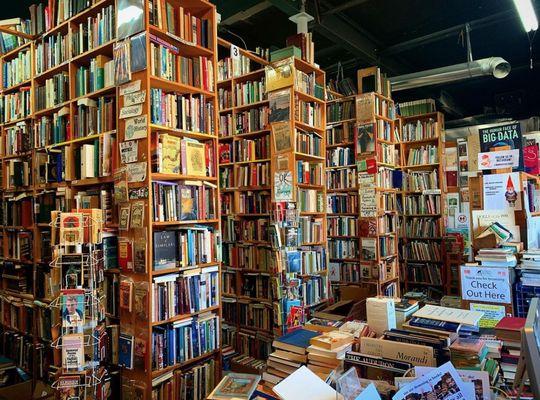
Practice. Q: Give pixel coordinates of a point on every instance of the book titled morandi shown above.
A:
(405, 352)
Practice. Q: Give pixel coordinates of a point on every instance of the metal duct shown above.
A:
(496, 66)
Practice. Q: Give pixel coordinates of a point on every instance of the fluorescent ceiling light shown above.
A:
(526, 12)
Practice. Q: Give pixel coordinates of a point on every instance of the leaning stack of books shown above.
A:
(530, 268)
(468, 353)
(289, 354)
(509, 331)
(327, 351)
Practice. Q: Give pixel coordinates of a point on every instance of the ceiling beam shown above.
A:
(344, 6)
(247, 13)
(341, 33)
(448, 32)
(230, 9)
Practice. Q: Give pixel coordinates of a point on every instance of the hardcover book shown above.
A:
(125, 350)
(165, 250)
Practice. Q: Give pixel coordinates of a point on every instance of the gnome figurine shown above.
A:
(511, 194)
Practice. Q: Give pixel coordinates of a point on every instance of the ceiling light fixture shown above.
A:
(526, 12)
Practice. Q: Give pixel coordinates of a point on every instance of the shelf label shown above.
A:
(135, 98)
(128, 151)
(136, 128)
(130, 87)
(131, 111)
(431, 191)
(136, 172)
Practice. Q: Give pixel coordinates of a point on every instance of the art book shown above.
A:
(194, 157)
(71, 229)
(71, 386)
(236, 386)
(365, 139)
(73, 309)
(170, 154)
(73, 352)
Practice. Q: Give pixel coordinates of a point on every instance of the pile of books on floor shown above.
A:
(327, 351)
(290, 353)
(509, 331)
(497, 257)
(468, 353)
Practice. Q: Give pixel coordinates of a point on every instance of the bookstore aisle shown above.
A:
(188, 217)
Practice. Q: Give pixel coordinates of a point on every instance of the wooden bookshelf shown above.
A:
(38, 195)
(244, 175)
(299, 196)
(342, 184)
(171, 92)
(423, 202)
(377, 156)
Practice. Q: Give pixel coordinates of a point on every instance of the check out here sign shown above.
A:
(488, 284)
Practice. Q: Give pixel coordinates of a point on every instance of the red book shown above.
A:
(509, 328)
(530, 159)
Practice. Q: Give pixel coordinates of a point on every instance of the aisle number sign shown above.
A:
(235, 52)
(487, 284)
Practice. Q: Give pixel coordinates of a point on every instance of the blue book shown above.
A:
(125, 351)
(433, 324)
(296, 341)
(293, 261)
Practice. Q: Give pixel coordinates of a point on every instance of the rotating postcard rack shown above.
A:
(80, 338)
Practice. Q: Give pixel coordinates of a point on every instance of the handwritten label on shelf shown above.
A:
(130, 87)
(131, 111)
(136, 128)
(128, 151)
(368, 203)
(132, 99)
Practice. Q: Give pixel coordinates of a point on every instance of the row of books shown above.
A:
(308, 143)
(340, 157)
(310, 173)
(191, 292)
(387, 153)
(345, 178)
(18, 139)
(422, 227)
(184, 248)
(15, 105)
(421, 251)
(55, 91)
(17, 211)
(94, 32)
(96, 159)
(184, 340)
(256, 286)
(254, 202)
(310, 200)
(253, 175)
(51, 51)
(252, 120)
(98, 75)
(247, 257)
(252, 149)
(225, 99)
(422, 204)
(249, 92)
(91, 117)
(342, 226)
(197, 72)
(163, 59)
(11, 42)
(343, 248)
(307, 83)
(229, 67)
(342, 203)
(18, 173)
(253, 230)
(309, 113)
(226, 125)
(423, 155)
(17, 70)
(310, 230)
(416, 107)
(417, 181)
(340, 134)
(191, 201)
(181, 21)
(420, 130)
(339, 111)
(188, 112)
(425, 273)
(255, 315)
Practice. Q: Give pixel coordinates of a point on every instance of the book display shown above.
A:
(298, 226)
(244, 177)
(377, 154)
(422, 247)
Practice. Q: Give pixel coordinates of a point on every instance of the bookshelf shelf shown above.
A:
(422, 131)
(184, 316)
(181, 133)
(192, 361)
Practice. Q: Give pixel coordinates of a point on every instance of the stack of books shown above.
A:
(496, 257)
(444, 322)
(289, 354)
(327, 351)
(469, 353)
(530, 268)
(509, 331)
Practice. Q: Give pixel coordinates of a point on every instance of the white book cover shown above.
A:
(303, 384)
(448, 314)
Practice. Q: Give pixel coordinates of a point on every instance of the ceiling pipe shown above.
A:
(493, 66)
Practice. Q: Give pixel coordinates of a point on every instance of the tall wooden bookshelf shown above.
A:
(28, 148)
(181, 204)
(378, 159)
(342, 190)
(423, 199)
(244, 168)
(299, 228)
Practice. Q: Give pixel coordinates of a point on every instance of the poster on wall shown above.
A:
(498, 159)
(507, 136)
(502, 191)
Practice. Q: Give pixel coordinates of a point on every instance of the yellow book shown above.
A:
(195, 158)
(170, 154)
